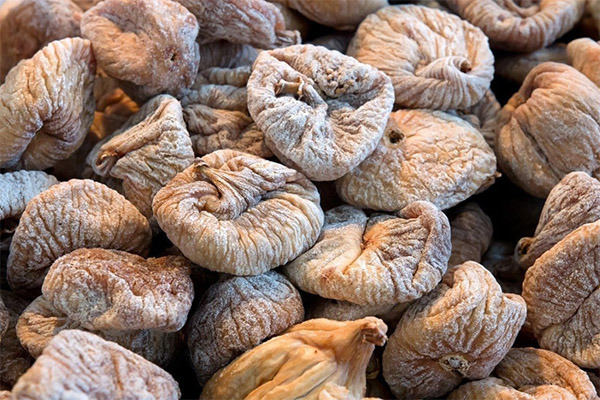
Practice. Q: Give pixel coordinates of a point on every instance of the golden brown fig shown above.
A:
(584, 55)
(312, 360)
(461, 330)
(14, 359)
(515, 67)
(471, 234)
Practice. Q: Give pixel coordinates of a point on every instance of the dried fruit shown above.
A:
(584, 55)
(147, 152)
(237, 314)
(68, 216)
(321, 112)
(383, 260)
(14, 359)
(317, 358)
(237, 213)
(550, 127)
(423, 155)
(47, 106)
(148, 45)
(484, 116)
(471, 234)
(86, 366)
(18, 188)
(515, 67)
(435, 59)
(461, 330)
(523, 26)
(5, 395)
(224, 54)
(562, 291)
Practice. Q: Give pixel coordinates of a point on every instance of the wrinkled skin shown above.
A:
(254, 22)
(520, 25)
(461, 330)
(562, 291)
(68, 216)
(435, 60)
(148, 45)
(471, 234)
(515, 67)
(47, 105)
(14, 359)
(41, 321)
(147, 152)
(33, 24)
(236, 315)
(573, 202)
(584, 55)
(484, 116)
(18, 188)
(549, 128)
(377, 261)
(240, 214)
(224, 54)
(86, 366)
(423, 155)
(322, 113)
(316, 359)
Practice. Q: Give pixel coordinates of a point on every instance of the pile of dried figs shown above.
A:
(299, 199)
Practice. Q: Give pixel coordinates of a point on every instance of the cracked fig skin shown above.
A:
(423, 155)
(378, 260)
(311, 360)
(461, 330)
(321, 112)
(237, 213)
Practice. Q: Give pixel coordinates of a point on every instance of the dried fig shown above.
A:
(5, 395)
(314, 359)
(521, 25)
(584, 55)
(18, 188)
(549, 128)
(484, 116)
(84, 365)
(471, 234)
(461, 330)
(515, 67)
(69, 216)
(237, 213)
(14, 359)
(224, 54)
(148, 45)
(47, 105)
(237, 314)
(562, 291)
(321, 112)
(435, 59)
(423, 155)
(377, 261)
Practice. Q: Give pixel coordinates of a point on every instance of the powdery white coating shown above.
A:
(484, 116)
(237, 213)
(523, 26)
(471, 234)
(310, 361)
(423, 155)
(322, 112)
(237, 314)
(584, 55)
(383, 260)
(111, 289)
(147, 152)
(18, 188)
(14, 359)
(515, 67)
(573, 202)
(434, 59)
(562, 291)
(47, 105)
(68, 216)
(549, 128)
(41, 321)
(78, 364)
(462, 329)
(148, 45)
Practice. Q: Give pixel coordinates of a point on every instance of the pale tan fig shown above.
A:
(423, 155)
(523, 26)
(68, 216)
(237, 213)
(382, 260)
(484, 116)
(515, 67)
(584, 55)
(86, 366)
(549, 128)
(317, 359)
(237, 314)
(429, 66)
(573, 202)
(471, 234)
(461, 330)
(18, 188)
(47, 105)
(14, 359)
(562, 291)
